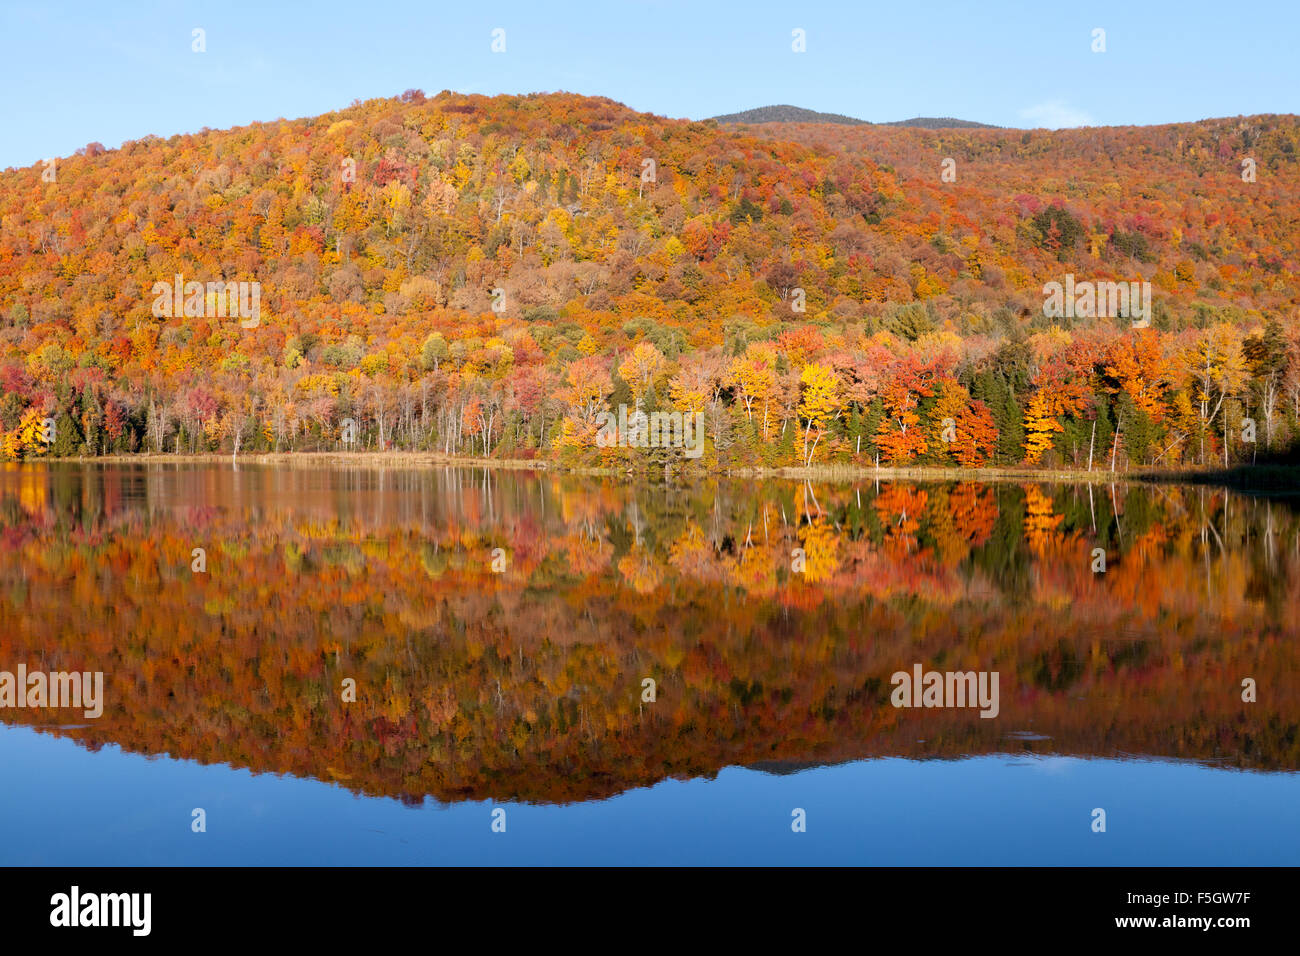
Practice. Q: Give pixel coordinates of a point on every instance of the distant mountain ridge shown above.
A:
(940, 122)
(784, 113)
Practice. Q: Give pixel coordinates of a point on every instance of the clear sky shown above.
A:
(112, 70)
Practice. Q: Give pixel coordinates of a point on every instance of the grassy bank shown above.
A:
(1272, 478)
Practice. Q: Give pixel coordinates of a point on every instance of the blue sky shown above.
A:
(108, 72)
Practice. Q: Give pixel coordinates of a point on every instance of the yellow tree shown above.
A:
(820, 403)
(28, 438)
(753, 376)
(1059, 390)
(1216, 368)
(639, 369)
(689, 390)
(1041, 425)
(587, 384)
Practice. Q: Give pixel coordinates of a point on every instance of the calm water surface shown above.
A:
(523, 687)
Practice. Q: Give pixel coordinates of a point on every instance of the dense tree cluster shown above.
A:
(483, 276)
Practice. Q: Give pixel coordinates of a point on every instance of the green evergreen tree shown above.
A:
(67, 437)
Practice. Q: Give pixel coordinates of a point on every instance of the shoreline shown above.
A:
(1245, 477)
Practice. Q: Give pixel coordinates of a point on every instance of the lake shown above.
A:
(456, 665)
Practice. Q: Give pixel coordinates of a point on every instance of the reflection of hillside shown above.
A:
(527, 685)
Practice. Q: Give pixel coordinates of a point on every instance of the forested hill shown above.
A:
(480, 275)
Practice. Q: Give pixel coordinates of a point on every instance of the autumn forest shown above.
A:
(481, 277)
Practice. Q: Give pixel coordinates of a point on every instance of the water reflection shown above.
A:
(528, 684)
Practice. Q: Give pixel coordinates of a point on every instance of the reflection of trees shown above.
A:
(526, 684)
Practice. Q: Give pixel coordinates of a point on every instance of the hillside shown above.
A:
(483, 275)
